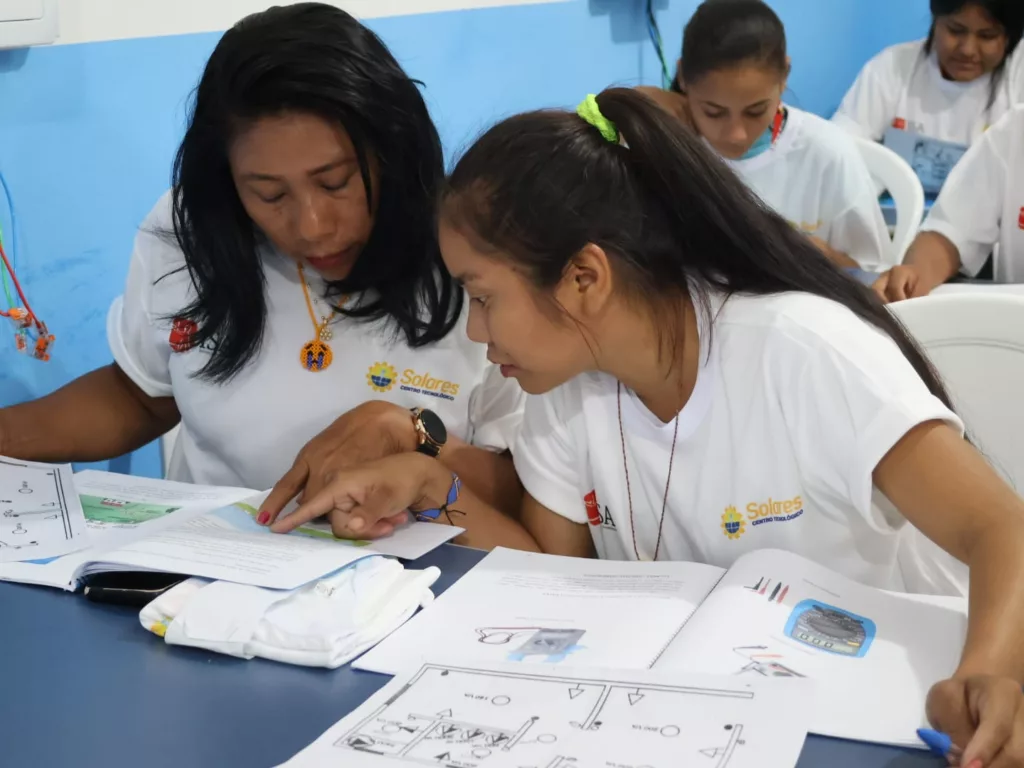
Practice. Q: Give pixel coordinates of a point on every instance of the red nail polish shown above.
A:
(263, 518)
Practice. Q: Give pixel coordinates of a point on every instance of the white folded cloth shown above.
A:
(326, 623)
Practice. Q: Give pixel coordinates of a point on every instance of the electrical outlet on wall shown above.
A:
(27, 22)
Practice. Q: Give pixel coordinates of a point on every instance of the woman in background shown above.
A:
(729, 87)
(981, 206)
(951, 86)
(291, 275)
(688, 352)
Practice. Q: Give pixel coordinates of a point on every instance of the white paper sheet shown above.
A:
(40, 514)
(509, 716)
(228, 544)
(118, 510)
(409, 542)
(776, 614)
(521, 606)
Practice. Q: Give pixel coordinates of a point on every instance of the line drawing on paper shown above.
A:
(34, 506)
(21, 545)
(760, 660)
(465, 718)
(553, 644)
(761, 587)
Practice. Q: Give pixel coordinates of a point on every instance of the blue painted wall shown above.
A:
(86, 140)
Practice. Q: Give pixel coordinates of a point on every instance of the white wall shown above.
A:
(83, 21)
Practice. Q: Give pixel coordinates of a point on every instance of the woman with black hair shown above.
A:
(951, 86)
(704, 379)
(729, 86)
(291, 275)
(978, 215)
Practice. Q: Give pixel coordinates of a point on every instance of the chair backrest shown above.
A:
(167, 448)
(895, 174)
(976, 342)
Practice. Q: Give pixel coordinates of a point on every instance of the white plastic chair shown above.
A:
(167, 448)
(895, 175)
(976, 342)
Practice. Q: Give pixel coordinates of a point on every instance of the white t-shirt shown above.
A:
(982, 202)
(248, 431)
(814, 177)
(903, 87)
(795, 404)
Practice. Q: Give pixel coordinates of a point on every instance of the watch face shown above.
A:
(434, 426)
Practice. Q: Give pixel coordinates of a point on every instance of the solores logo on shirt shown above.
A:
(774, 511)
(382, 377)
(734, 523)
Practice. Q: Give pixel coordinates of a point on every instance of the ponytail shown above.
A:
(674, 219)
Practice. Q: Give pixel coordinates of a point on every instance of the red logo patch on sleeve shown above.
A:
(899, 124)
(593, 510)
(182, 331)
(1020, 221)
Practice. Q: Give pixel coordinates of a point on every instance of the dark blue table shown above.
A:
(84, 685)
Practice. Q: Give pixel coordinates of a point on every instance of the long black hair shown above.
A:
(726, 33)
(316, 59)
(675, 220)
(1009, 14)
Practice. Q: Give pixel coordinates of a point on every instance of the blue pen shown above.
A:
(939, 743)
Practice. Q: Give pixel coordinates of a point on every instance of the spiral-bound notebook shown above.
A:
(771, 615)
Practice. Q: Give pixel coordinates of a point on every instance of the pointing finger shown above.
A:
(287, 488)
(312, 508)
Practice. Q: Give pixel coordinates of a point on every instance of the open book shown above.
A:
(138, 524)
(773, 614)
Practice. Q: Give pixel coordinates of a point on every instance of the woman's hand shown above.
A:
(369, 431)
(984, 717)
(902, 282)
(931, 260)
(362, 501)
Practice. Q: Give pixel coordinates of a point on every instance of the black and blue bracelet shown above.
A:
(431, 515)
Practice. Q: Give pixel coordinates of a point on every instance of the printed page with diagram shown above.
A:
(515, 715)
(138, 523)
(40, 515)
(117, 510)
(528, 607)
(874, 654)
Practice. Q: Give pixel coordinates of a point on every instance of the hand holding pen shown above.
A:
(979, 722)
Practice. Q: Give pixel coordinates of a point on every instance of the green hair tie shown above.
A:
(590, 112)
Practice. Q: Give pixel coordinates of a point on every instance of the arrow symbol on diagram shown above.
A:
(574, 692)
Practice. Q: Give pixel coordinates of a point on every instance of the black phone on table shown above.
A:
(135, 588)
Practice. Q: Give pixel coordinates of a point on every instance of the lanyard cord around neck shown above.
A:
(629, 490)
